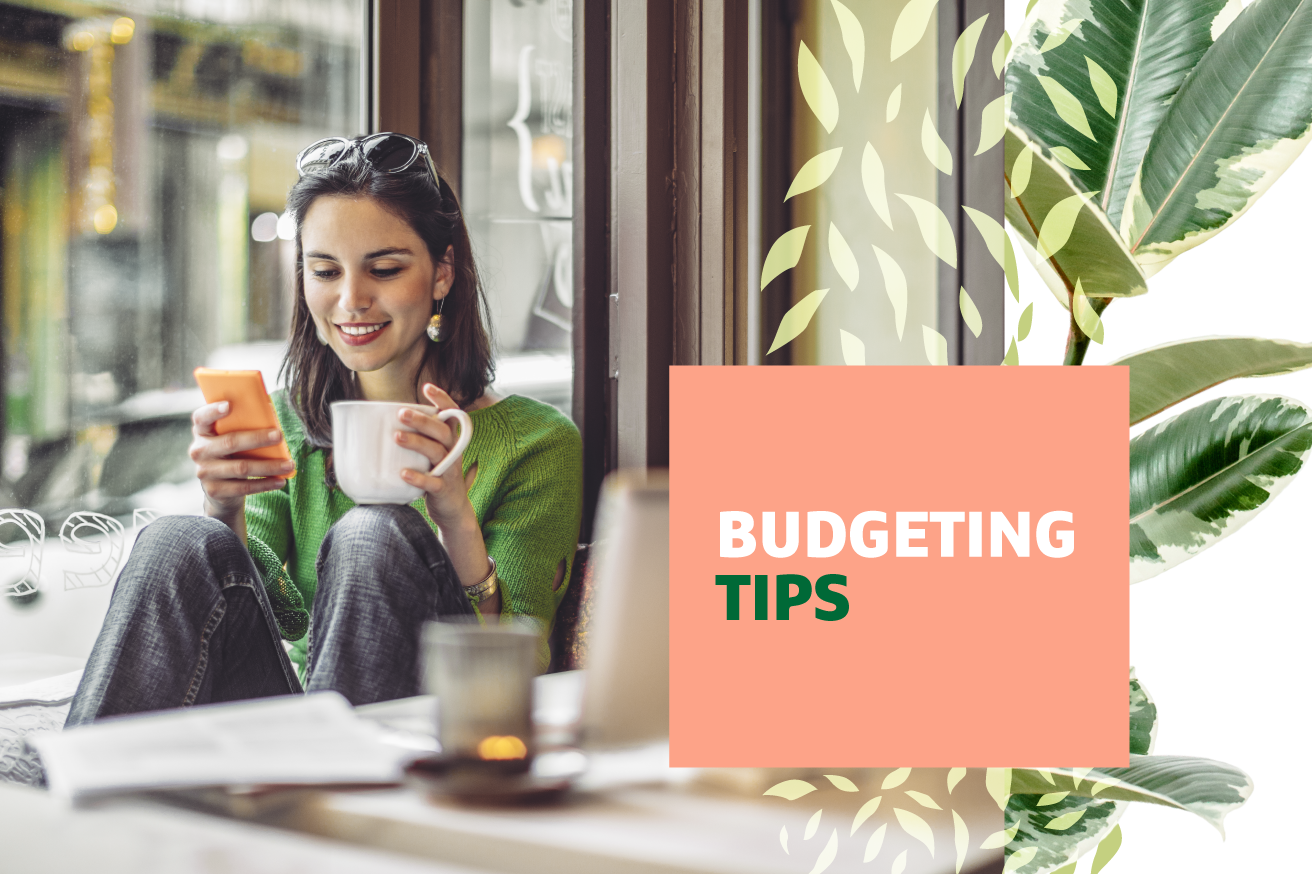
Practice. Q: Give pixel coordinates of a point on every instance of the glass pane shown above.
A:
(145, 160)
(517, 186)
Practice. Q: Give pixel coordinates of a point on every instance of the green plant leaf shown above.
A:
(872, 179)
(970, 315)
(934, 228)
(1199, 477)
(843, 259)
(1093, 252)
(1000, 53)
(933, 146)
(814, 172)
(1206, 788)
(817, 91)
(894, 104)
(784, 254)
(1144, 48)
(963, 55)
(1068, 106)
(795, 321)
(1143, 719)
(1239, 120)
(854, 351)
(910, 26)
(1086, 316)
(895, 286)
(854, 40)
(1165, 375)
(1043, 849)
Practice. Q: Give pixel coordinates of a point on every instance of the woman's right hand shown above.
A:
(226, 480)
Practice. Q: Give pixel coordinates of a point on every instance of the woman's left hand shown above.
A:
(445, 495)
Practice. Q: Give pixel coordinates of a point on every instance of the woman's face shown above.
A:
(370, 284)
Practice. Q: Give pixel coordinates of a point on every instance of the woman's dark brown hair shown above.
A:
(461, 364)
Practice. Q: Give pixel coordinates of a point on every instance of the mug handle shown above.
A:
(466, 433)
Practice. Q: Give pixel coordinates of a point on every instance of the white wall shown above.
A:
(1221, 642)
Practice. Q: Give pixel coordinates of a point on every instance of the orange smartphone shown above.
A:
(249, 408)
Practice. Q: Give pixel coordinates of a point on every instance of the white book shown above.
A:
(291, 740)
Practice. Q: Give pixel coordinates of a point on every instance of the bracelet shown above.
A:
(481, 591)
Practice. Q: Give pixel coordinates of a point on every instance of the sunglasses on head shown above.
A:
(386, 153)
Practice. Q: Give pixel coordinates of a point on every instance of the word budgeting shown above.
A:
(912, 534)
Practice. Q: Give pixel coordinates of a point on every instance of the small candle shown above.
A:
(483, 679)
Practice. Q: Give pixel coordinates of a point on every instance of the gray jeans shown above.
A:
(190, 623)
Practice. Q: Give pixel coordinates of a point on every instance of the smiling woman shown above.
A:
(201, 606)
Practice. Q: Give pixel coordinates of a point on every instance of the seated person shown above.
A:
(388, 308)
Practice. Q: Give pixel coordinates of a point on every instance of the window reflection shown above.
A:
(517, 188)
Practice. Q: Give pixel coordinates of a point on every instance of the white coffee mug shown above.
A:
(367, 458)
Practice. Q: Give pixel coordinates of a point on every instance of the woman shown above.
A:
(388, 308)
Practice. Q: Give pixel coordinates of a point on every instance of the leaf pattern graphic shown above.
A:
(900, 863)
(934, 228)
(1069, 158)
(935, 149)
(910, 26)
(854, 40)
(998, 782)
(876, 843)
(999, 839)
(1026, 321)
(1103, 85)
(1067, 105)
(963, 55)
(867, 810)
(872, 179)
(784, 255)
(920, 797)
(955, 775)
(1013, 355)
(1061, 34)
(995, 238)
(790, 789)
(1000, 52)
(896, 778)
(894, 104)
(1090, 324)
(1052, 797)
(817, 91)
(841, 783)
(814, 172)
(993, 123)
(1065, 821)
(843, 259)
(1013, 275)
(1059, 223)
(1106, 849)
(915, 827)
(783, 839)
(970, 315)
(1021, 169)
(854, 352)
(895, 286)
(793, 323)
(1019, 859)
(1080, 773)
(962, 837)
(812, 824)
(936, 350)
(827, 855)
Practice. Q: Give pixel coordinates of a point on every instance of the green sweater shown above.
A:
(527, 495)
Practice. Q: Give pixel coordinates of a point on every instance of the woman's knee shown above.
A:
(372, 526)
(180, 552)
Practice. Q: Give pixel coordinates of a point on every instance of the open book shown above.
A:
(311, 739)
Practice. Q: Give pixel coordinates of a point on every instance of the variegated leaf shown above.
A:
(1046, 850)
(1200, 476)
(1239, 120)
(1165, 375)
(1092, 252)
(1143, 48)
(1143, 718)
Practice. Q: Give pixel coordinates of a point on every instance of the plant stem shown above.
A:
(1077, 342)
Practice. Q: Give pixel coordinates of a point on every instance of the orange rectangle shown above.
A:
(983, 622)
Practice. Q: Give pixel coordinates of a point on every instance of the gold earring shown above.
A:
(435, 323)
